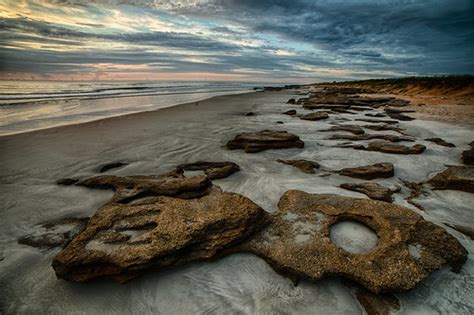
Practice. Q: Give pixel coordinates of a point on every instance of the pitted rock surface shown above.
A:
(385, 147)
(122, 241)
(315, 116)
(379, 170)
(409, 249)
(373, 190)
(252, 142)
(303, 165)
(366, 137)
(454, 178)
(128, 188)
(213, 170)
(357, 130)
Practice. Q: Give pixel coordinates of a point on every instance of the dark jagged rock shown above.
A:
(109, 166)
(252, 142)
(395, 148)
(399, 116)
(124, 241)
(454, 178)
(442, 142)
(54, 233)
(291, 101)
(415, 191)
(357, 130)
(128, 188)
(409, 249)
(304, 165)
(377, 304)
(315, 116)
(290, 112)
(373, 190)
(67, 181)
(213, 170)
(280, 122)
(376, 115)
(376, 121)
(468, 155)
(384, 128)
(462, 229)
(365, 137)
(249, 114)
(380, 170)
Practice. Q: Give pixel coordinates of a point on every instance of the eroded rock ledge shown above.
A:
(373, 190)
(297, 242)
(128, 188)
(303, 165)
(213, 170)
(252, 142)
(379, 170)
(121, 241)
(454, 178)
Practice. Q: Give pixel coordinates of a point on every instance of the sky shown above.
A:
(297, 41)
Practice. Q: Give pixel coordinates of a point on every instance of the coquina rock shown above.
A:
(379, 170)
(454, 178)
(128, 188)
(122, 241)
(297, 244)
(357, 130)
(252, 142)
(373, 190)
(366, 137)
(385, 147)
(213, 170)
(315, 116)
(303, 165)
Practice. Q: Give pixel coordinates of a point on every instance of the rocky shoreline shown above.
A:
(157, 222)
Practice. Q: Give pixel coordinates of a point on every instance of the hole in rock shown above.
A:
(353, 236)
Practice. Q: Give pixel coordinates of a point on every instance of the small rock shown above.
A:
(468, 155)
(377, 115)
(66, 181)
(304, 165)
(252, 142)
(380, 170)
(376, 121)
(314, 116)
(249, 114)
(280, 122)
(291, 101)
(365, 137)
(440, 141)
(454, 178)
(377, 304)
(399, 116)
(55, 233)
(383, 128)
(395, 148)
(357, 130)
(290, 112)
(110, 166)
(128, 188)
(213, 170)
(373, 190)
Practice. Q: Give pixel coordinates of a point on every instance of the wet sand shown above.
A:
(155, 142)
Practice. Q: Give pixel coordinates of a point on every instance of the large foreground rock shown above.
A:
(455, 178)
(128, 188)
(122, 241)
(409, 249)
(252, 142)
(373, 190)
(213, 170)
(379, 170)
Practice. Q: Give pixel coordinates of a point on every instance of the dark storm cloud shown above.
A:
(412, 36)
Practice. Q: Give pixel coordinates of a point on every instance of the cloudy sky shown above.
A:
(243, 40)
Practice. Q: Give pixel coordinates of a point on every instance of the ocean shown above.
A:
(34, 105)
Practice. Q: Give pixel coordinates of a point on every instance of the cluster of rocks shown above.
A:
(162, 221)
